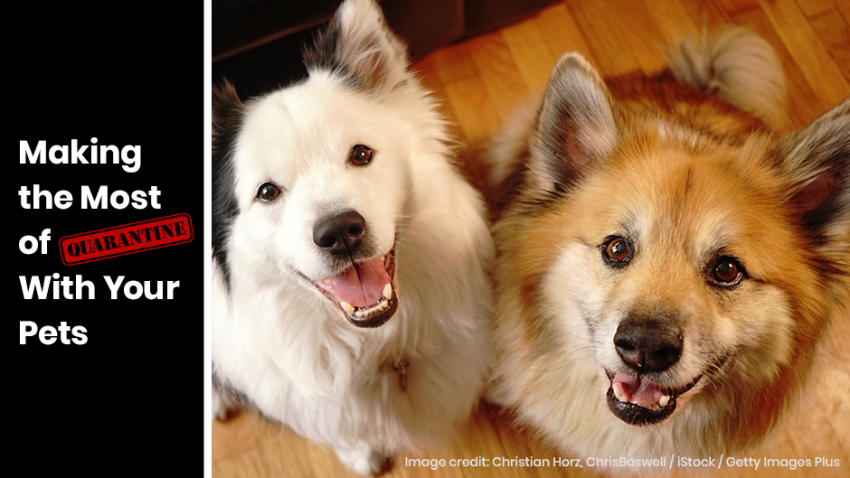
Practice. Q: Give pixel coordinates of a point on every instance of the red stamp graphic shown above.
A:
(127, 239)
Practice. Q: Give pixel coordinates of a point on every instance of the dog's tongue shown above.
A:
(363, 284)
(635, 390)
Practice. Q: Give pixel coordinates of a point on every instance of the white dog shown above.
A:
(350, 269)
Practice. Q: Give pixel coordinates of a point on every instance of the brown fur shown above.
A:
(688, 178)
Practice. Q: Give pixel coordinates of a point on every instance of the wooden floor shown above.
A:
(479, 83)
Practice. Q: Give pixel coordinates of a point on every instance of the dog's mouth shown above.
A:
(364, 292)
(638, 401)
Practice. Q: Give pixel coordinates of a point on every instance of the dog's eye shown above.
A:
(360, 155)
(727, 271)
(268, 192)
(617, 251)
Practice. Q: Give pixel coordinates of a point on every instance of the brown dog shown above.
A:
(667, 263)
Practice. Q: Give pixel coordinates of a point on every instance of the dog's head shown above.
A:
(311, 181)
(688, 266)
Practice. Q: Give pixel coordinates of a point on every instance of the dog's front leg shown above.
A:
(363, 459)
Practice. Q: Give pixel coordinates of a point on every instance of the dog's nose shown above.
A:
(648, 345)
(341, 233)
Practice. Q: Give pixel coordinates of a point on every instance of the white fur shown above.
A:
(739, 66)
(504, 147)
(286, 347)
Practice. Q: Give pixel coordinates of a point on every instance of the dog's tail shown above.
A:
(737, 65)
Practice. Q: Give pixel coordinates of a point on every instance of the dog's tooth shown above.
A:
(665, 399)
(388, 291)
(348, 308)
(618, 392)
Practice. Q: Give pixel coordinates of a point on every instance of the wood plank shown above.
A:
(454, 63)
(733, 7)
(530, 53)
(613, 53)
(233, 437)
(250, 464)
(814, 61)
(811, 8)
(672, 19)
(706, 16)
(485, 444)
(843, 7)
(427, 71)
(474, 110)
(561, 32)
(834, 35)
(640, 30)
(285, 453)
(499, 73)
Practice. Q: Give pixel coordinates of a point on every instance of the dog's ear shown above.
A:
(575, 125)
(227, 111)
(359, 46)
(817, 159)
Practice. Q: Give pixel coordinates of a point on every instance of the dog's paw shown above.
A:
(364, 460)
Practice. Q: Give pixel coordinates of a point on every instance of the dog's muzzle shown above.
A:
(647, 346)
(364, 292)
